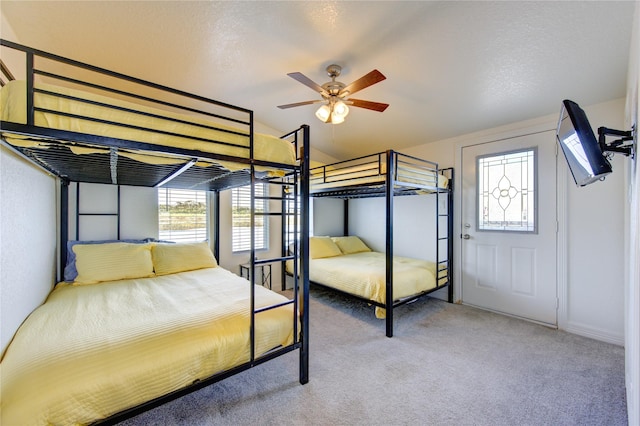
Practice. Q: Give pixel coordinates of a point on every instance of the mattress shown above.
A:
(90, 351)
(186, 133)
(374, 173)
(364, 274)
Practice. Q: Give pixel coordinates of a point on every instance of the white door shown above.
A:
(509, 226)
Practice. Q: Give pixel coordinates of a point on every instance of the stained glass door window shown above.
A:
(507, 191)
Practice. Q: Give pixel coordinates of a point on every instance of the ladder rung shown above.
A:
(266, 308)
(274, 214)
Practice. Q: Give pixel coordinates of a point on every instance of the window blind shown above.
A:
(182, 215)
(241, 218)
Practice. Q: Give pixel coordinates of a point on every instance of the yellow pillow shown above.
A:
(320, 247)
(172, 258)
(349, 245)
(110, 262)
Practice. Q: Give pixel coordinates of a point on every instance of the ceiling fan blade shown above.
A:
(298, 76)
(299, 104)
(373, 77)
(376, 106)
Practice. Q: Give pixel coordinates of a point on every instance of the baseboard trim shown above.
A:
(594, 333)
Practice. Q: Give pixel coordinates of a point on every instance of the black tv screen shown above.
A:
(580, 146)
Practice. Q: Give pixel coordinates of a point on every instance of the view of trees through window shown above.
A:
(182, 215)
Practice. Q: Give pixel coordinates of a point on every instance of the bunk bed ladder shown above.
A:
(444, 257)
(449, 216)
(293, 199)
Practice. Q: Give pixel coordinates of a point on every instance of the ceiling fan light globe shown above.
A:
(336, 118)
(341, 109)
(323, 113)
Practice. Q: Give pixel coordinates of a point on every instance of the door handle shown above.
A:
(466, 236)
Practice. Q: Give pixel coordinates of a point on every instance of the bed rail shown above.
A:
(367, 176)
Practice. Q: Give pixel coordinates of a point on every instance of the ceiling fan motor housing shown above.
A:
(334, 87)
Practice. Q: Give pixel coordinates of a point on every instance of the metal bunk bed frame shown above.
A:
(213, 179)
(389, 190)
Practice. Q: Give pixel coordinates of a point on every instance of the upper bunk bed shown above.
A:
(390, 174)
(373, 175)
(88, 124)
(83, 123)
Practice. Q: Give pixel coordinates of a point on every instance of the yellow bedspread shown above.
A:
(13, 109)
(364, 274)
(94, 350)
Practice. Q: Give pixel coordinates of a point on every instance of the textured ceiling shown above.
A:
(451, 67)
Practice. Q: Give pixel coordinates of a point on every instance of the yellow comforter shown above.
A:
(364, 274)
(13, 109)
(94, 350)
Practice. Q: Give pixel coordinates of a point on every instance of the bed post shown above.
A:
(391, 159)
(64, 225)
(345, 217)
(450, 234)
(304, 256)
(216, 225)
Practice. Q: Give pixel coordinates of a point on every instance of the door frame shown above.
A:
(538, 125)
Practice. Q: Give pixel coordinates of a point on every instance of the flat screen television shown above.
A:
(580, 146)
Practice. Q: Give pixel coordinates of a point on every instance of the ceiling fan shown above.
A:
(335, 95)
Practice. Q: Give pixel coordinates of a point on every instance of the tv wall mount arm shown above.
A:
(621, 145)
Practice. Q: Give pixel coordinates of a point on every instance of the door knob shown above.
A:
(466, 236)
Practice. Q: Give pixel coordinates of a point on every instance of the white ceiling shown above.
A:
(452, 67)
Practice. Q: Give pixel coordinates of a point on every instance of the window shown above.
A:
(241, 218)
(507, 192)
(182, 215)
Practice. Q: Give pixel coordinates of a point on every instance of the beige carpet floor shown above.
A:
(447, 364)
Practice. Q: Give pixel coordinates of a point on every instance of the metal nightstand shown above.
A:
(265, 271)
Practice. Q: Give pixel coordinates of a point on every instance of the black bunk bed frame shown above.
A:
(112, 169)
(391, 188)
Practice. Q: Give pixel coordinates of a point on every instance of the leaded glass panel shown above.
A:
(507, 191)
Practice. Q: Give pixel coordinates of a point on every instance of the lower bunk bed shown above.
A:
(165, 318)
(348, 265)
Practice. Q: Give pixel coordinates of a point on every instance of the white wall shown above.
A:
(27, 240)
(595, 236)
(413, 224)
(328, 216)
(632, 287)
